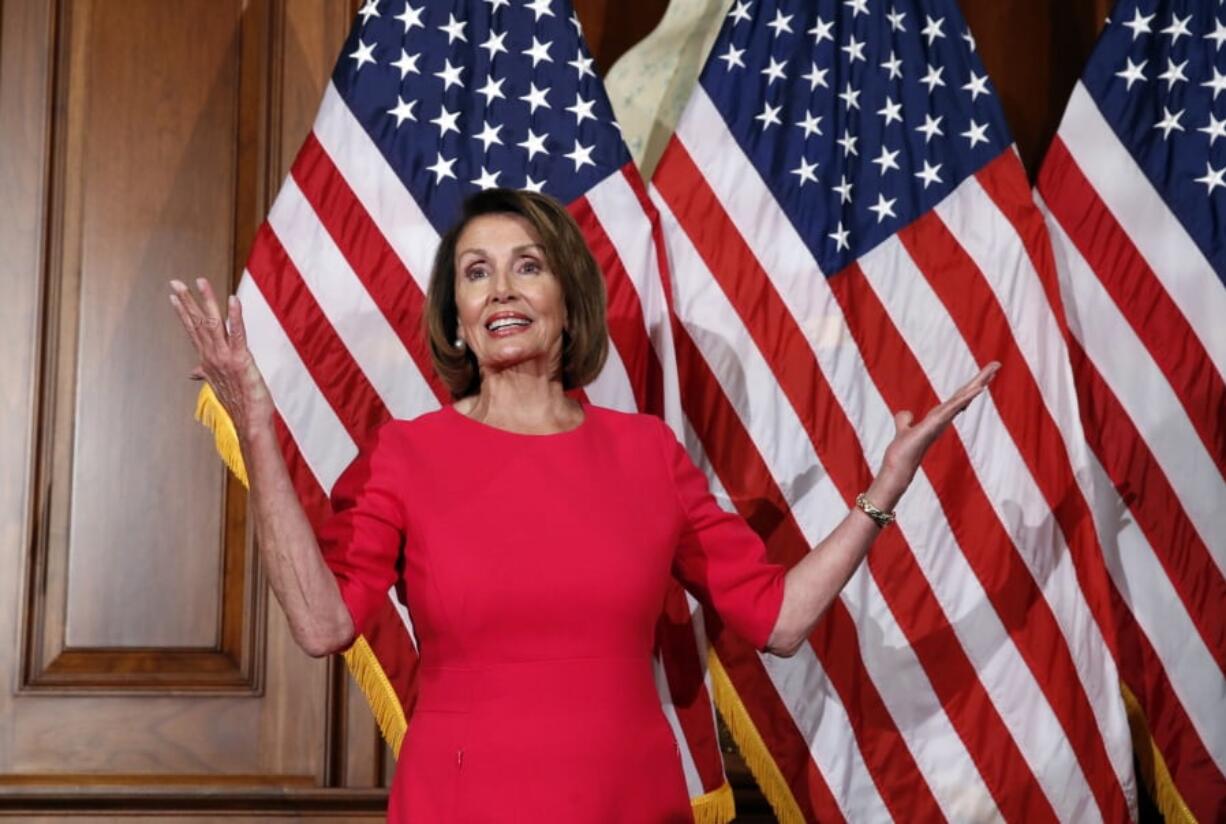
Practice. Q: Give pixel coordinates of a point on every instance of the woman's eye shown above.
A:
(475, 273)
(530, 267)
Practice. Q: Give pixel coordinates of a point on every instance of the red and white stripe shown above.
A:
(1147, 337)
(333, 297)
(966, 671)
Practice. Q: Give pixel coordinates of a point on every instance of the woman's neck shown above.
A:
(526, 403)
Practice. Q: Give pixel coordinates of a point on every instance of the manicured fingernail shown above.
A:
(201, 283)
(174, 300)
(177, 284)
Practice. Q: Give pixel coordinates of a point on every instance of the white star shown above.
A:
(364, 54)
(884, 208)
(839, 236)
(1214, 128)
(844, 189)
(805, 171)
(454, 29)
(1170, 122)
(858, 7)
(1133, 72)
(1218, 83)
(774, 71)
(893, 66)
(886, 160)
(581, 155)
(741, 12)
(403, 110)
(851, 97)
(492, 89)
(848, 142)
(442, 169)
(1212, 178)
(932, 126)
(496, 4)
(446, 122)
(769, 115)
(1138, 24)
(781, 23)
(821, 31)
(574, 21)
(969, 38)
(488, 136)
(854, 49)
(582, 64)
(539, 51)
(411, 17)
(540, 8)
(407, 63)
(810, 124)
(816, 77)
(487, 180)
(1218, 35)
(1178, 28)
(494, 44)
(977, 86)
(450, 75)
(932, 28)
(533, 185)
(371, 9)
(1174, 73)
(896, 18)
(930, 174)
(582, 109)
(891, 111)
(933, 78)
(733, 57)
(976, 134)
(535, 144)
(535, 98)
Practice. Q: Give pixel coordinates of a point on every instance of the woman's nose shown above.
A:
(503, 287)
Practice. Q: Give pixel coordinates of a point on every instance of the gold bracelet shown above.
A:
(880, 518)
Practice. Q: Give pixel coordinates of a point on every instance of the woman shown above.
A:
(535, 535)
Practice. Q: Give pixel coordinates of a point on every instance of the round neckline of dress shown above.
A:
(587, 415)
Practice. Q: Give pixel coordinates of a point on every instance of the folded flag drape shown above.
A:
(851, 234)
(1130, 188)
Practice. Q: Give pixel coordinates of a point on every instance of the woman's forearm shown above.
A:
(301, 581)
(811, 586)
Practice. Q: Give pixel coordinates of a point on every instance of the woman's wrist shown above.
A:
(887, 489)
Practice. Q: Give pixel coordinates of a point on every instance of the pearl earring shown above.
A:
(459, 344)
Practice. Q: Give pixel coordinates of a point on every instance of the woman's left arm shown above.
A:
(812, 585)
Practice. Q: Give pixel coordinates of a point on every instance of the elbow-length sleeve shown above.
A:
(720, 559)
(362, 540)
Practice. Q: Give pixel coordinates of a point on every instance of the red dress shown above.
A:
(535, 567)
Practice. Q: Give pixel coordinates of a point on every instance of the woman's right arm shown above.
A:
(301, 580)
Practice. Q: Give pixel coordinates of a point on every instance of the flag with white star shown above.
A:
(851, 234)
(429, 103)
(1134, 186)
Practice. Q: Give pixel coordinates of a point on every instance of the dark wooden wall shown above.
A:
(142, 665)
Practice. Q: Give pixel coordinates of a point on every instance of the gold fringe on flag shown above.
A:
(380, 694)
(213, 415)
(715, 807)
(753, 749)
(1154, 771)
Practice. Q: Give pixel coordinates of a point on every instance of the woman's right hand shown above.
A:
(225, 361)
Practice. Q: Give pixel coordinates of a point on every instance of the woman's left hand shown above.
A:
(903, 456)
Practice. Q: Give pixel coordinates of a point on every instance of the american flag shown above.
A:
(429, 103)
(852, 234)
(1130, 188)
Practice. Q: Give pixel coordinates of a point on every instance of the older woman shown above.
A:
(535, 535)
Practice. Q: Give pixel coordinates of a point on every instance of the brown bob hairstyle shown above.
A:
(585, 341)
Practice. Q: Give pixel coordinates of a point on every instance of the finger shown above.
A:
(196, 374)
(902, 421)
(238, 329)
(189, 321)
(212, 314)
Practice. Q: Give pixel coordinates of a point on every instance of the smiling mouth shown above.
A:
(507, 325)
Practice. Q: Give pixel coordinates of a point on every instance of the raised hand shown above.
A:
(225, 361)
(904, 454)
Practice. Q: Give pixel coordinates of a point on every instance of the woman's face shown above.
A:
(510, 306)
